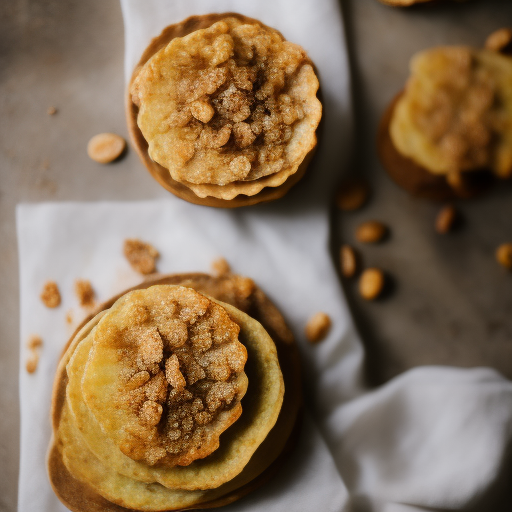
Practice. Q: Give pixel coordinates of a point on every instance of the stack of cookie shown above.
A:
(169, 398)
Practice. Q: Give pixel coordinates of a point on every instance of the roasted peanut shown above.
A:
(317, 327)
(105, 147)
(371, 283)
(445, 219)
(504, 255)
(371, 232)
(348, 261)
(352, 195)
(499, 40)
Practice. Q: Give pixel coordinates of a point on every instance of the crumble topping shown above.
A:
(181, 363)
(50, 294)
(232, 102)
(141, 255)
(456, 112)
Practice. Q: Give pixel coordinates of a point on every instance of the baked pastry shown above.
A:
(223, 110)
(170, 397)
(449, 133)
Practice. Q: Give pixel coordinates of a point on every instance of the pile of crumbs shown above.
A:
(140, 255)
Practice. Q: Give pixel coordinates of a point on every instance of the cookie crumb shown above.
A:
(50, 294)
(51, 111)
(317, 327)
(140, 255)
(69, 317)
(221, 267)
(84, 292)
(105, 147)
(32, 362)
(34, 342)
(371, 283)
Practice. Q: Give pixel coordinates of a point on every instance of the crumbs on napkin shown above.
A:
(140, 255)
(85, 293)
(50, 294)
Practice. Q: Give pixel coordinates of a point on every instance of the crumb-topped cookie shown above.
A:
(227, 110)
(452, 121)
(169, 399)
(166, 375)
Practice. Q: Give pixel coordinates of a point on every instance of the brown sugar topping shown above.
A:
(224, 103)
(141, 255)
(84, 292)
(182, 362)
(50, 294)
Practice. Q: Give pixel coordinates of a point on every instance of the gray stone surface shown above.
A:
(450, 302)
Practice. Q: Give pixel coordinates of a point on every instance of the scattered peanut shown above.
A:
(445, 219)
(371, 232)
(504, 255)
(371, 283)
(50, 294)
(51, 111)
(348, 261)
(317, 327)
(499, 40)
(105, 147)
(221, 267)
(352, 195)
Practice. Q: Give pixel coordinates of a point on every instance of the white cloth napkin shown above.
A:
(433, 437)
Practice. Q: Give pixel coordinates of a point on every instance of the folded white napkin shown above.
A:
(433, 437)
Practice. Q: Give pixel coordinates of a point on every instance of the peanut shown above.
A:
(371, 232)
(348, 261)
(371, 283)
(499, 40)
(105, 147)
(445, 219)
(504, 255)
(317, 327)
(352, 195)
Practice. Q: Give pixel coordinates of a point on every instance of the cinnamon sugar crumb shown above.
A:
(221, 267)
(50, 294)
(84, 293)
(141, 255)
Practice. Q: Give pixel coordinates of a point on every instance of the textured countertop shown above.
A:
(450, 302)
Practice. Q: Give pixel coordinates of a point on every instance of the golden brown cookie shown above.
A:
(447, 135)
(80, 492)
(248, 136)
